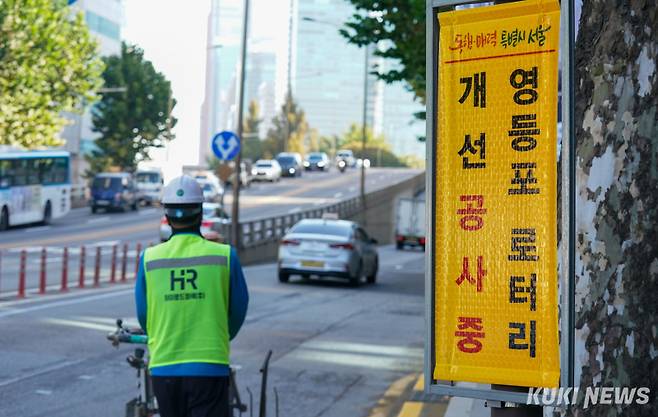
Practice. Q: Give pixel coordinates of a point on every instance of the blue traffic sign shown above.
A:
(225, 145)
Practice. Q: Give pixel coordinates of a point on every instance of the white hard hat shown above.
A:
(182, 190)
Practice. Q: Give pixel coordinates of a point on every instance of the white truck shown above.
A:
(410, 224)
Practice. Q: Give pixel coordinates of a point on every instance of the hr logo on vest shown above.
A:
(186, 275)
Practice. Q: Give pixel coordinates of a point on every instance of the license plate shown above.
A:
(102, 203)
(313, 264)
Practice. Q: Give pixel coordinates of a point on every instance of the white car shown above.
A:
(327, 247)
(347, 156)
(212, 192)
(266, 170)
(213, 217)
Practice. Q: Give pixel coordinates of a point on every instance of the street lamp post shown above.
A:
(235, 211)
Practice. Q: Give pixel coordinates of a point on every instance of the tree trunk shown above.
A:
(617, 202)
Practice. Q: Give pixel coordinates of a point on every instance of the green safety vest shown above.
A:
(187, 293)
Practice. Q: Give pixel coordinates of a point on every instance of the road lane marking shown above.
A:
(320, 202)
(98, 220)
(17, 311)
(81, 324)
(38, 229)
(294, 210)
(411, 409)
(338, 195)
(104, 233)
(352, 188)
(51, 368)
(43, 392)
(147, 211)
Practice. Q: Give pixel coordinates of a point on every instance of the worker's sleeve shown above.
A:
(238, 296)
(140, 293)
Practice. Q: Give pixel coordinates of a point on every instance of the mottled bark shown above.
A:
(617, 201)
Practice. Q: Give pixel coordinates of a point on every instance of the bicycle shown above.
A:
(145, 404)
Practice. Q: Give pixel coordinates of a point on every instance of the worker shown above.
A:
(191, 300)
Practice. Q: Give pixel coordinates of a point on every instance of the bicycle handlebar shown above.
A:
(126, 335)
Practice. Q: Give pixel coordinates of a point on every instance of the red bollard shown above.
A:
(137, 253)
(81, 279)
(21, 275)
(123, 262)
(113, 264)
(97, 269)
(42, 272)
(65, 270)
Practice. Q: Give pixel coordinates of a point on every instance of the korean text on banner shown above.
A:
(496, 217)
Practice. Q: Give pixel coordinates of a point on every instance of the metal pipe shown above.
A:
(97, 267)
(113, 264)
(42, 272)
(21, 275)
(363, 138)
(235, 212)
(65, 270)
(81, 278)
(124, 260)
(138, 249)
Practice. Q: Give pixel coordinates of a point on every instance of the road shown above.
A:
(336, 349)
(313, 189)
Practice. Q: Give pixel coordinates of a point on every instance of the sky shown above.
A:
(173, 34)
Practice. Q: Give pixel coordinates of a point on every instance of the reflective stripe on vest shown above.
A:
(187, 290)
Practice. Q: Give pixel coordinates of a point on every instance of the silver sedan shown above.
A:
(327, 247)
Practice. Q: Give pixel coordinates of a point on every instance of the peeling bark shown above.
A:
(617, 201)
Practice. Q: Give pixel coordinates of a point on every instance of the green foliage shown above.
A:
(48, 65)
(252, 146)
(377, 150)
(279, 138)
(135, 120)
(400, 26)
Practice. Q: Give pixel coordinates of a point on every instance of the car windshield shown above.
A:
(264, 165)
(106, 183)
(208, 187)
(286, 160)
(324, 228)
(315, 157)
(148, 177)
(344, 154)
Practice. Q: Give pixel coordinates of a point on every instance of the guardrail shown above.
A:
(260, 237)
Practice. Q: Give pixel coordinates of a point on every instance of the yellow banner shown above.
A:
(496, 181)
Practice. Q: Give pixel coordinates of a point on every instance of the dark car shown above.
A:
(317, 161)
(114, 191)
(291, 164)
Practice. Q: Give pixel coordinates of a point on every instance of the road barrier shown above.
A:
(27, 274)
(260, 237)
(65, 270)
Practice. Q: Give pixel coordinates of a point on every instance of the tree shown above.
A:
(377, 150)
(133, 121)
(288, 131)
(48, 65)
(398, 25)
(252, 146)
(617, 187)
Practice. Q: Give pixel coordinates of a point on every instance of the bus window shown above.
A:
(61, 170)
(32, 171)
(5, 173)
(19, 166)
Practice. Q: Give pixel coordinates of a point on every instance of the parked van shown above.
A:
(113, 191)
(149, 185)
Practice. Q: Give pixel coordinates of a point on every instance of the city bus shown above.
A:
(35, 186)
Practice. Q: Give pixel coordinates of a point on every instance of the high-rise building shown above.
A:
(104, 19)
(264, 68)
(329, 76)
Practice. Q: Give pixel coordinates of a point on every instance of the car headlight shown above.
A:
(306, 164)
(321, 163)
(254, 172)
(291, 170)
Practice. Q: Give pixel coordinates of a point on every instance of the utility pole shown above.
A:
(235, 211)
(363, 138)
(289, 92)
